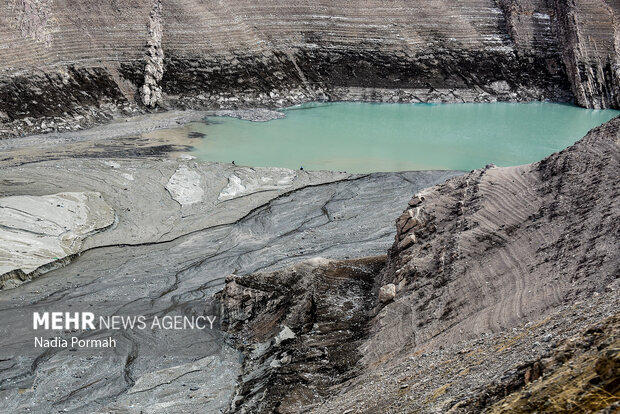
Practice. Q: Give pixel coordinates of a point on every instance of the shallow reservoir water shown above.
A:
(366, 137)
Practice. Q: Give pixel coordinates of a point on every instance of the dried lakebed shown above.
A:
(180, 228)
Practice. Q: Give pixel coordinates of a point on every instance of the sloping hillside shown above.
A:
(496, 279)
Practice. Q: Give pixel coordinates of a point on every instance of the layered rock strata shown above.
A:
(589, 33)
(38, 231)
(520, 239)
(64, 66)
(490, 251)
(154, 70)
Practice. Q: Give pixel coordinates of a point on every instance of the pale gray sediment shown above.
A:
(169, 251)
(134, 126)
(154, 200)
(38, 230)
(255, 115)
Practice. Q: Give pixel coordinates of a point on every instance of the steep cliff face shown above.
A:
(589, 33)
(95, 58)
(154, 69)
(300, 328)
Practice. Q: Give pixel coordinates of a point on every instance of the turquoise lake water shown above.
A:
(366, 137)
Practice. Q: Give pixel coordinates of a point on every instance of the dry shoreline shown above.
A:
(139, 135)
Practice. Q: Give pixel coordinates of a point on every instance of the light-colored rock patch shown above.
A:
(387, 293)
(285, 334)
(112, 164)
(185, 187)
(37, 230)
(245, 181)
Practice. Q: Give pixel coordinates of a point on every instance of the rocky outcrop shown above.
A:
(242, 54)
(300, 329)
(521, 239)
(486, 253)
(583, 375)
(59, 99)
(154, 69)
(589, 33)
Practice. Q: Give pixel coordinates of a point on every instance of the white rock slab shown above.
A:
(245, 181)
(185, 186)
(37, 230)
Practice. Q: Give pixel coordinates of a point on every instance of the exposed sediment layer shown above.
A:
(589, 33)
(489, 272)
(38, 230)
(64, 67)
(174, 242)
(492, 250)
(521, 239)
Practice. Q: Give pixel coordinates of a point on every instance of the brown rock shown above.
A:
(387, 293)
(533, 373)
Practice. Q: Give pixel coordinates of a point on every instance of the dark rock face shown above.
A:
(341, 74)
(589, 33)
(241, 54)
(80, 94)
(300, 329)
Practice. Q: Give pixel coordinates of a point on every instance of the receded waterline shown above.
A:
(368, 137)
